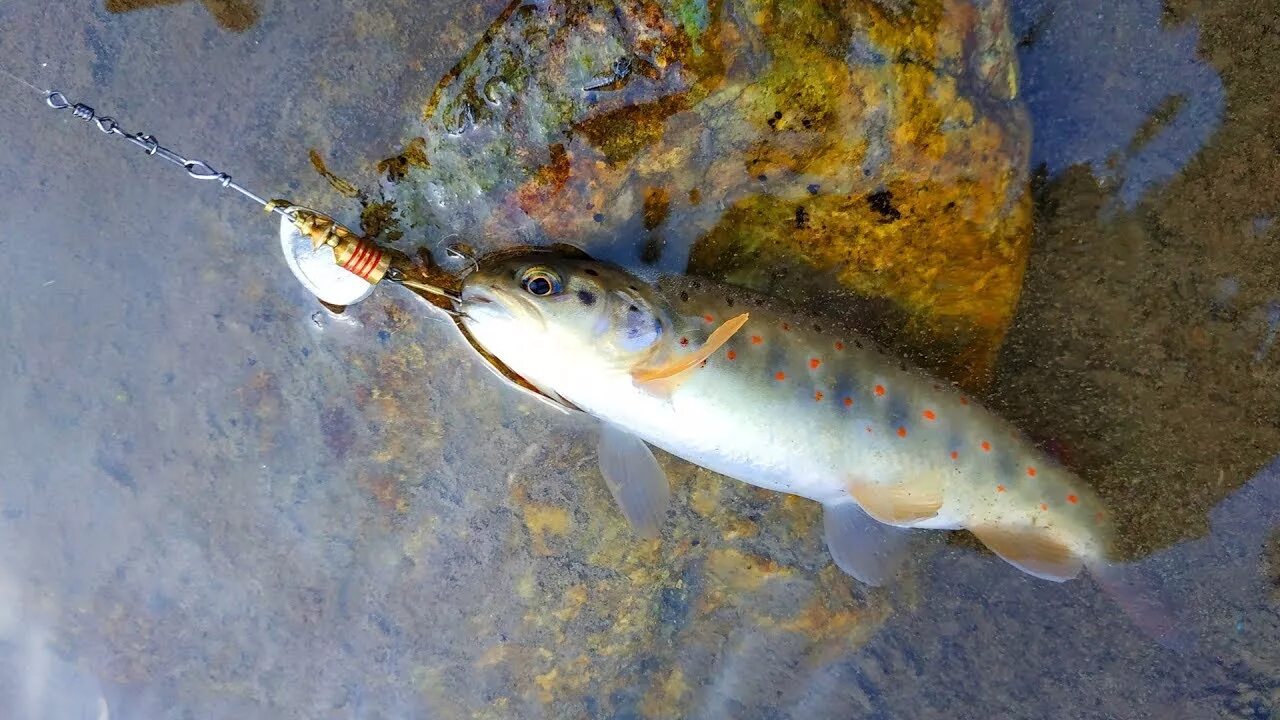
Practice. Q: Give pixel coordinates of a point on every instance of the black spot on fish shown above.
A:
(598, 217)
(591, 272)
(762, 178)
(586, 298)
(728, 301)
(632, 308)
(857, 344)
(684, 296)
(814, 188)
(817, 328)
(802, 218)
(882, 202)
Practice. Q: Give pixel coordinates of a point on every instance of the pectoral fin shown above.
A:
(635, 479)
(861, 546)
(900, 503)
(1031, 551)
(662, 376)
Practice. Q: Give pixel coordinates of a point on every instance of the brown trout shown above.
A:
(744, 386)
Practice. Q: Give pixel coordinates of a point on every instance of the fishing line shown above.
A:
(357, 255)
(17, 79)
(196, 169)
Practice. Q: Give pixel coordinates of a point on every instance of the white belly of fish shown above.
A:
(714, 421)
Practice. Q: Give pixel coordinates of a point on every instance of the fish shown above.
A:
(749, 387)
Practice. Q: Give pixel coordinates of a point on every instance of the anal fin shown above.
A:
(861, 546)
(901, 503)
(1033, 552)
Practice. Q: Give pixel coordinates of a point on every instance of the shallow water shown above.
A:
(220, 500)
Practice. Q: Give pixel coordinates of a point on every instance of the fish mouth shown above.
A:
(493, 302)
(473, 297)
(489, 302)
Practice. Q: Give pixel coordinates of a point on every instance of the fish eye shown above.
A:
(541, 281)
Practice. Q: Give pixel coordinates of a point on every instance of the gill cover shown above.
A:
(492, 362)
(625, 321)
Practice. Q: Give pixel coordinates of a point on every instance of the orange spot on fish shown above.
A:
(964, 400)
(708, 318)
(1098, 516)
(684, 341)
(868, 428)
(955, 455)
(814, 363)
(930, 415)
(756, 339)
(902, 432)
(880, 390)
(786, 326)
(817, 395)
(1031, 472)
(839, 345)
(986, 446)
(848, 402)
(780, 375)
(731, 355)
(1073, 499)
(999, 488)
(1044, 506)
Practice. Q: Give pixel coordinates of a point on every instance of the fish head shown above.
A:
(555, 319)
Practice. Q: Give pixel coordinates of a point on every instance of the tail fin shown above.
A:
(1141, 596)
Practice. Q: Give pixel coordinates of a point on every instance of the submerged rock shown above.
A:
(872, 149)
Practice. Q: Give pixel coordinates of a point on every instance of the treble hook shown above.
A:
(396, 275)
(463, 252)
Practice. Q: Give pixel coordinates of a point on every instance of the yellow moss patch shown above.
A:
(540, 519)
(574, 598)
(734, 571)
(621, 134)
(665, 698)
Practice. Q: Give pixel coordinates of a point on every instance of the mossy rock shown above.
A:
(870, 156)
